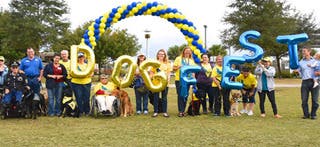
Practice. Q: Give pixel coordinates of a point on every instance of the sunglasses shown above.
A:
(1, 60)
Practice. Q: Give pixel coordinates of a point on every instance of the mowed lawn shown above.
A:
(143, 130)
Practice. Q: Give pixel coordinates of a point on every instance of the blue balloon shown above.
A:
(149, 5)
(168, 10)
(196, 37)
(108, 25)
(174, 10)
(293, 41)
(133, 4)
(96, 32)
(194, 43)
(129, 7)
(114, 10)
(190, 23)
(111, 15)
(184, 21)
(86, 41)
(186, 79)
(155, 4)
(96, 26)
(98, 20)
(197, 60)
(258, 51)
(85, 35)
(97, 37)
(144, 9)
(227, 72)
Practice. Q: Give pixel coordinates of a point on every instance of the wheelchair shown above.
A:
(26, 109)
(115, 110)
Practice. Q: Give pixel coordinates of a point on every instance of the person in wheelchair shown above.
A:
(103, 96)
(3, 75)
(15, 84)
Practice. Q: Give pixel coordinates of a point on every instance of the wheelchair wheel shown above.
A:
(116, 108)
(94, 107)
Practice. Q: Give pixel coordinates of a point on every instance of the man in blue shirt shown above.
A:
(307, 73)
(32, 67)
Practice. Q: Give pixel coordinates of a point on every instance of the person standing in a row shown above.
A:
(265, 73)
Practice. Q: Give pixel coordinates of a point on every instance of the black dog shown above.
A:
(34, 104)
(69, 106)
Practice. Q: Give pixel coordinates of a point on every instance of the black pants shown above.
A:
(271, 96)
(306, 88)
(217, 100)
(208, 90)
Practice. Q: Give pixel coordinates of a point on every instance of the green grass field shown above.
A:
(143, 130)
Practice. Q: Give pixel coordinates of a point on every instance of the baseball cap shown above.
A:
(267, 59)
(80, 54)
(2, 58)
(141, 54)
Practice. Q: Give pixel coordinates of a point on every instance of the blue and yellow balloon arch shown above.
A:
(187, 28)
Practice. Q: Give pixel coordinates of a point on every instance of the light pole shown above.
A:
(205, 36)
(147, 36)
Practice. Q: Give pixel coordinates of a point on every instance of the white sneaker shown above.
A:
(250, 113)
(145, 112)
(243, 111)
(138, 112)
(315, 84)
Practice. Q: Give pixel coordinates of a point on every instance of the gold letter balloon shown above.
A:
(74, 61)
(125, 81)
(159, 80)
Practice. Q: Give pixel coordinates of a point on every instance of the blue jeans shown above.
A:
(140, 96)
(164, 95)
(82, 93)
(7, 98)
(54, 96)
(181, 100)
(34, 84)
(306, 88)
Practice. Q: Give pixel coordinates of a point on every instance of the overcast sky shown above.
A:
(163, 33)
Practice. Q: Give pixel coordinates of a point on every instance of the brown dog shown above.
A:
(125, 103)
(235, 98)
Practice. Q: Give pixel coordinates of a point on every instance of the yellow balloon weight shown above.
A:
(125, 81)
(159, 81)
(74, 71)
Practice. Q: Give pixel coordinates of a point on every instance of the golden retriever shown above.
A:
(126, 107)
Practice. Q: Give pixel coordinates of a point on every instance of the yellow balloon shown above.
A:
(189, 40)
(90, 33)
(102, 25)
(154, 9)
(93, 43)
(179, 25)
(171, 15)
(193, 47)
(117, 15)
(191, 29)
(125, 81)
(134, 10)
(200, 41)
(139, 6)
(148, 12)
(185, 27)
(91, 28)
(158, 82)
(92, 39)
(114, 20)
(130, 14)
(74, 71)
(197, 52)
(103, 19)
(101, 31)
(120, 10)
